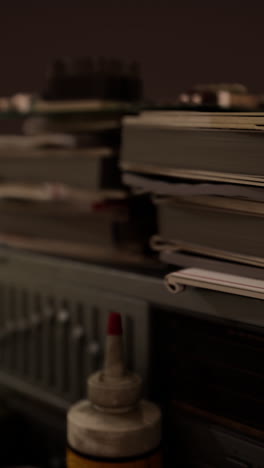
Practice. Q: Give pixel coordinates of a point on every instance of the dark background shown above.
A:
(177, 43)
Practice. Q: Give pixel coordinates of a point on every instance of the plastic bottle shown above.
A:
(114, 427)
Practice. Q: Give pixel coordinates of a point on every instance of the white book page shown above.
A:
(215, 281)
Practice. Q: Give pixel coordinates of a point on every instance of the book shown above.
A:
(163, 187)
(75, 124)
(214, 226)
(180, 258)
(49, 192)
(89, 168)
(196, 145)
(97, 254)
(102, 223)
(199, 278)
(28, 142)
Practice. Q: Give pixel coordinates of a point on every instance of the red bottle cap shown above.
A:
(114, 324)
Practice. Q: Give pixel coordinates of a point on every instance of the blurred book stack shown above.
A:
(205, 173)
(61, 190)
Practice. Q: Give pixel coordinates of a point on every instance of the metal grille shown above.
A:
(52, 336)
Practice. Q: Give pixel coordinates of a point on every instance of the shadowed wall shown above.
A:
(177, 43)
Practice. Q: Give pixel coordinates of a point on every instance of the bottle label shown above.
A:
(75, 460)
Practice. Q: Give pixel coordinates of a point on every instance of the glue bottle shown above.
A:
(114, 428)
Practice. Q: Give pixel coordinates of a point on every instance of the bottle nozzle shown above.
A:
(114, 356)
(114, 388)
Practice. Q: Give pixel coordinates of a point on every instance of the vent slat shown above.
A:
(77, 337)
(48, 344)
(20, 325)
(33, 341)
(38, 311)
(23, 331)
(62, 346)
(94, 348)
(27, 335)
(8, 330)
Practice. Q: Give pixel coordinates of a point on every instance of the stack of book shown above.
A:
(205, 171)
(60, 184)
